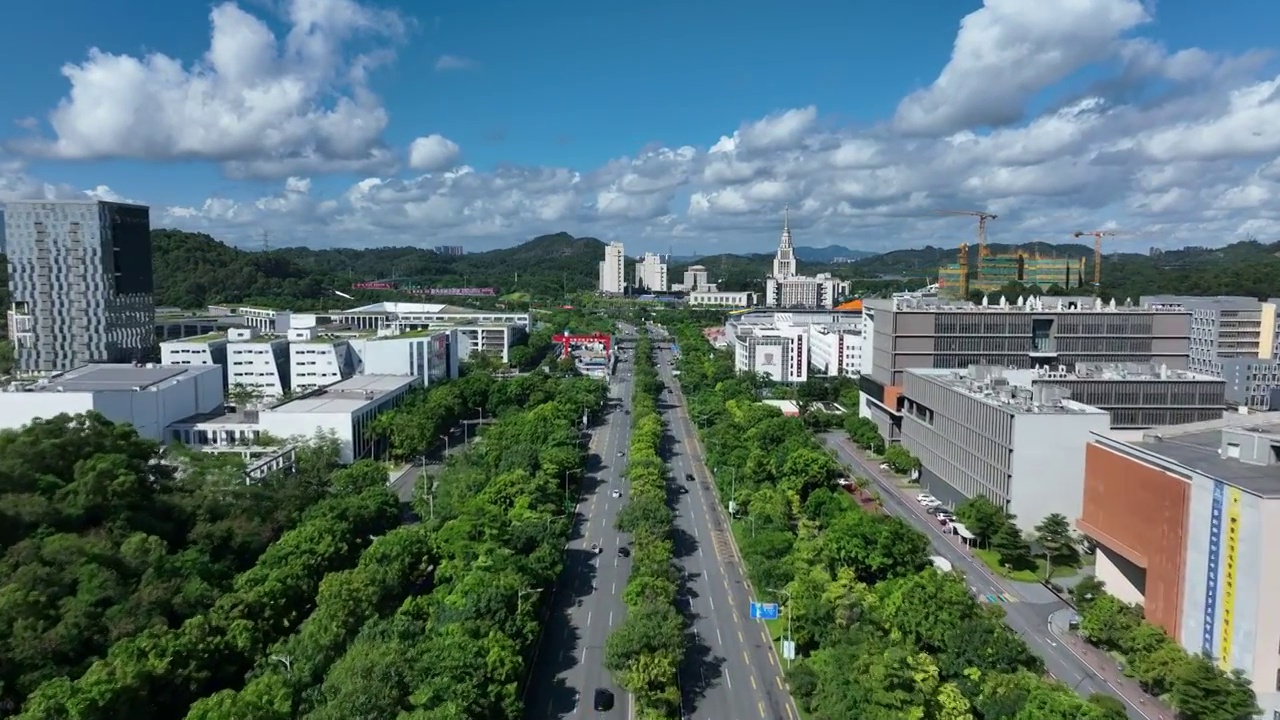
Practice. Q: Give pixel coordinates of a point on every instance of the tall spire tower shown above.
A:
(784, 262)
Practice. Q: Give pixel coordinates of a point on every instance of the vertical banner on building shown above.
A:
(1232, 543)
(1211, 572)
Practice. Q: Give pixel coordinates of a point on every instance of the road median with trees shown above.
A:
(645, 651)
(879, 632)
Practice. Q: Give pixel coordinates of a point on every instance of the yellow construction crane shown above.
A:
(1097, 236)
(964, 271)
(983, 217)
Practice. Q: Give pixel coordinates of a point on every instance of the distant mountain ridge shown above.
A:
(831, 253)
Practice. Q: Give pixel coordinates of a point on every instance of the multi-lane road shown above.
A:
(588, 603)
(732, 671)
(1029, 619)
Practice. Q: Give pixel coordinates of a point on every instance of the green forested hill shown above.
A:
(194, 269)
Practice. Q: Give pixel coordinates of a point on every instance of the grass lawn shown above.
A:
(992, 560)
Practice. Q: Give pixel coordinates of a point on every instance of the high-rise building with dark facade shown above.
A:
(80, 283)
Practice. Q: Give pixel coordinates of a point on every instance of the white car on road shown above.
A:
(617, 493)
(924, 496)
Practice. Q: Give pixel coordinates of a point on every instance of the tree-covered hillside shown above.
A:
(194, 269)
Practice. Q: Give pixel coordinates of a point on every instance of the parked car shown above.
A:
(688, 477)
(603, 700)
(932, 503)
(886, 466)
(617, 493)
(924, 497)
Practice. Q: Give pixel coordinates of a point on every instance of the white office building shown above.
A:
(613, 271)
(430, 356)
(258, 363)
(835, 350)
(316, 361)
(651, 273)
(208, 349)
(785, 288)
(719, 298)
(344, 411)
(829, 343)
(148, 397)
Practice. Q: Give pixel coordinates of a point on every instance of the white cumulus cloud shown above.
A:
(433, 152)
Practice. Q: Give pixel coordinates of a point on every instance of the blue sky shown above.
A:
(613, 94)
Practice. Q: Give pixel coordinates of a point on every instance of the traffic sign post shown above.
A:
(764, 611)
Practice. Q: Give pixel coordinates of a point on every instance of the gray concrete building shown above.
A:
(912, 332)
(1252, 383)
(976, 433)
(80, 283)
(1137, 395)
(1224, 328)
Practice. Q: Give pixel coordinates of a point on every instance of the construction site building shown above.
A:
(998, 271)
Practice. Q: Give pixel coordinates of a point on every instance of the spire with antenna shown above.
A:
(786, 225)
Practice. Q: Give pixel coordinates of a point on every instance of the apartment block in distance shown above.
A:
(613, 271)
(80, 283)
(976, 433)
(1187, 522)
(651, 273)
(919, 332)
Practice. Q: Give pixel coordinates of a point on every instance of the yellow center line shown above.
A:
(779, 679)
(753, 683)
(760, 707)
(741, 639)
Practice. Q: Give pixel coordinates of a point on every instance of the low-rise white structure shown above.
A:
(344, 410)
(209, 349)
(258, 363)
(826, 342)
(316, 361)
(148, 397)
(835, 350)
(428, 355)
(721, 298)
(695, 280)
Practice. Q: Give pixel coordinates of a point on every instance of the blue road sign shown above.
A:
(764, 611)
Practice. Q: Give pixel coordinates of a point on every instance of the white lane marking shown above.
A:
(610, 618)
(713, 606)
(614, 590)
(700, 552)
(588, 617)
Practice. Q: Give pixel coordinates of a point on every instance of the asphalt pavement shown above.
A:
(1030, 620)
(587, 604)
(733, 671)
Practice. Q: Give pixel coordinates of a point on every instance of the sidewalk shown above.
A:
(1102, 664)
(1106, 668)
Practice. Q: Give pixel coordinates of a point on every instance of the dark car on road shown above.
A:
(688, 477)
(603, 700)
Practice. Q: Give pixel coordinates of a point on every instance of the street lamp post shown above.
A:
(520, 595)
(789, 640)
(446, 446)
(566, 489)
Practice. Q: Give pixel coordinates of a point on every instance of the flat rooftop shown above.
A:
(106, 377)
(410, 308)
(348, 396)
(1127, 372)
(1001, 304)
(1009, 396)
(1196, 446)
